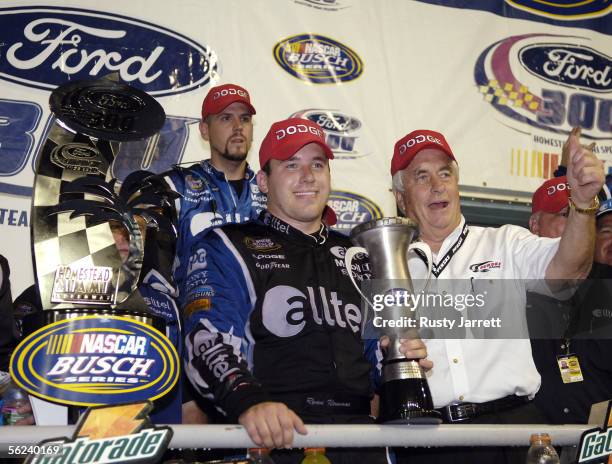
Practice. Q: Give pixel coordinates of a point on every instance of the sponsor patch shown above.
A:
(352, 209)
(45, 47)
(317, 59)
(90, 360)
(115, 434)
(261, 244)
(194, 183)
(485, 266)
(200, 304)
(565, 83)
(343, 133)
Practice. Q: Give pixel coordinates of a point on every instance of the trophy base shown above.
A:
(407, 401)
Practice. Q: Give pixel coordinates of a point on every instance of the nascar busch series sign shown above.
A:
(43, 47)
(567, 83)
(343, 133)
(318, 59)
(94, 360)
(352, 209)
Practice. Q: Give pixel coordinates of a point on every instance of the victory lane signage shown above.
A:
(107, 435)
(95, 360)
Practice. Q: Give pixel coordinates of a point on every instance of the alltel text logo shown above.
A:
(297, 129)
(47, 46)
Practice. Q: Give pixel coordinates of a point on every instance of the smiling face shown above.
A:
(298, 188)
(230, 133)
(431, 195)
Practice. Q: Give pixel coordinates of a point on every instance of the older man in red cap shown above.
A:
(278, 344)
(550, 208)
(476, 380)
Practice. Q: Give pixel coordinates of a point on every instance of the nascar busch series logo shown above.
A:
(352, 209)
(341, 132)
(44, 47)
(568, 84)
(90, 360)
(318, 59)
(563, 10)
(286, 310)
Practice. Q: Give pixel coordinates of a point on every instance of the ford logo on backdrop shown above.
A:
(43, 47)
(93, 360)
(343, 133)
(579, 67)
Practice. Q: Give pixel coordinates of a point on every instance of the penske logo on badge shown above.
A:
(318, 59)
(90, 360)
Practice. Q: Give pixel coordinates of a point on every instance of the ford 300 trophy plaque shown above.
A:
(77, 263)
(405, 395)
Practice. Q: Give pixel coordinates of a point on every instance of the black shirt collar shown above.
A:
(283, 228)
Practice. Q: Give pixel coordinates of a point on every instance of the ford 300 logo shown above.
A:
(45, 47)
(579, 67)
(91, 360)
(318, 59)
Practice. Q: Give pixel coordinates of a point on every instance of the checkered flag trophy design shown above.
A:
(78, 266)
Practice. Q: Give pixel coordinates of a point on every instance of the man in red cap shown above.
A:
(279, 343)
(550, 208)
(215, 191)
(574, 332)
(476, 380)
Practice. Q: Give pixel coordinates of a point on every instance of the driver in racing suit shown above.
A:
(273, 321)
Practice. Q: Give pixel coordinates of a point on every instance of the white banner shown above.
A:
(504, 82)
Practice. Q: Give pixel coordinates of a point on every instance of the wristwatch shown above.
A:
(590, 210)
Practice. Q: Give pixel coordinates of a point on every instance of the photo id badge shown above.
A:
(569, 368)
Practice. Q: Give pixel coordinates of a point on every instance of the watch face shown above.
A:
(107, 110)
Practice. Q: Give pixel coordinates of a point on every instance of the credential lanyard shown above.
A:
(437, 269)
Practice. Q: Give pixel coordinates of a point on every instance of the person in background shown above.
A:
(214, 192)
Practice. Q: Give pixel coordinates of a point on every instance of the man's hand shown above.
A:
(271, 424)
(413, 348)
(585, 173)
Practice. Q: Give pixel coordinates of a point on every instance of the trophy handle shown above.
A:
(348, 261)
(427, 251)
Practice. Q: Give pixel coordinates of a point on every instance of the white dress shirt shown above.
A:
(480, 370)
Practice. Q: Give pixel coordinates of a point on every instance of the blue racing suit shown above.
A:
(208, 200)
(271, 315)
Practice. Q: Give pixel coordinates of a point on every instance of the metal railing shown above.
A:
(234, 436)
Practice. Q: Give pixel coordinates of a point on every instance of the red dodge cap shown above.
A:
(220, 97)
(286, 137)
(552, 196)
(407, 147)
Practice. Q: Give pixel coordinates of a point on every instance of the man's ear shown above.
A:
(204, 130)
(399, 199)
(262, 181)
(534, 223)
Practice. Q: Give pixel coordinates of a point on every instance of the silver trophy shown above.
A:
(404, 394)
